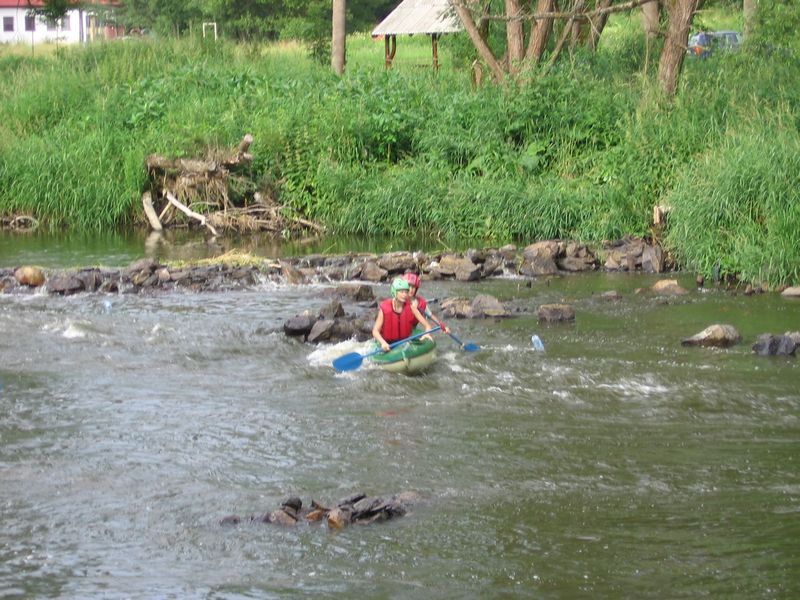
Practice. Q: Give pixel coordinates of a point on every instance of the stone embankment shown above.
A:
(332, 323)
(145, 276)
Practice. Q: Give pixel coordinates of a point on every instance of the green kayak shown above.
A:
(411, 357)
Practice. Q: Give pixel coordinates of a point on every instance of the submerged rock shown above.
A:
(775, 345)
(554, 313)
(668, 287)
(720, 336)
(355, 509)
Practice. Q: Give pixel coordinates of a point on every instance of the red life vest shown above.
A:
(396, 326)
(422, 304)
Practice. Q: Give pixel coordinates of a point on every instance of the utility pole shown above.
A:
(339, 35)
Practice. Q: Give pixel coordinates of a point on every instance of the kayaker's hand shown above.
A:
(427, 336)
(385, 346)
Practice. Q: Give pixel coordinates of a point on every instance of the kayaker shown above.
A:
(422, 305)
(397, 316)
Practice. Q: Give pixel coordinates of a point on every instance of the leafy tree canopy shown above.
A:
(251, 19)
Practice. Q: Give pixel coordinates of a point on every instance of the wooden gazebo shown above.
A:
(427, 17)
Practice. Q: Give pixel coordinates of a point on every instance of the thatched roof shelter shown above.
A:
(427, 17)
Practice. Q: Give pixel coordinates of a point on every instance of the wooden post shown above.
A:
(339, 34)
(390, 49)
(435, 48)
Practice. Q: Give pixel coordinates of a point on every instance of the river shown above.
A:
(615, 464)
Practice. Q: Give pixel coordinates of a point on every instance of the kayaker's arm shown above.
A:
(422, 321)
(439, 322)
(376, 332)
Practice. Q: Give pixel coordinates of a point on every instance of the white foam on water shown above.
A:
(325, 354)
(74, 330)
(633, 387)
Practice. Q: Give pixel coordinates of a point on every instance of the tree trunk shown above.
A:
(480, 44)
(484, 21)
(650, 20)
(515, 36)
(339, 34)
(597, 24)
(540, 33)
(578, 23)
(750, 10)
(681, 13)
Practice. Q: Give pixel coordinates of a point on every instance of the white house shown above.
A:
(19, 25)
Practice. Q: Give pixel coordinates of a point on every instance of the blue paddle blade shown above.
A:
(470, 347)
(348, 362)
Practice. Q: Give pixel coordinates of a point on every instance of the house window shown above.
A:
(52, 25)
(30, 22)
(8, 23)
(65, 23)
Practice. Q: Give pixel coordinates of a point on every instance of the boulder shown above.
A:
(484, 305)
(372, 272)
(322, 331)
(92, 279)
(508, 252)
(791, 292)
(65, 284)
(356, 293)
(460, 308)
(299, 325)
(30, 276)
(144, 264)
(539, 265)
(544, 249)
(652, 259)
(397, 262)
(466, 270)
(576, 264)
(720, 336)
(554, 313)
(775, 345)
(331, 310)
(293, 275)
(668, 287)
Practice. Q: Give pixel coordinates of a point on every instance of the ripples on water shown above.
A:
(614, 464)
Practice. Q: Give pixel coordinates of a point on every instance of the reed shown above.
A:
(582, 152)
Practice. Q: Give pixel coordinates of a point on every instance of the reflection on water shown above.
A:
(121, 248)
(615, 463)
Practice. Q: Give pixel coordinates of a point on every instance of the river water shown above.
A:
(615, 464)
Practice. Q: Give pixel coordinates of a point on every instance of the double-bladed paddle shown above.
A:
(468, 347)
(351, 361)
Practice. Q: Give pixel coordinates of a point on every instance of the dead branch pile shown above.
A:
(182, 191)
(19, 222)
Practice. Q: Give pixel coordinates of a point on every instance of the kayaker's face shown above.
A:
(402, 296)
(412, 292)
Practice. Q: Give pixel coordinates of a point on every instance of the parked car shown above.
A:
(705, 43)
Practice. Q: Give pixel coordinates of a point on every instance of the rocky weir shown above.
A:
(357, 272)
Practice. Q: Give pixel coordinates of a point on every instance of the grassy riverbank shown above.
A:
(584, 152)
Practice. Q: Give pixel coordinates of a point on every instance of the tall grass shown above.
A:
(737, 210)
(583, 152)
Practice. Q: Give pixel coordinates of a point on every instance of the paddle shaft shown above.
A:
(440, 324)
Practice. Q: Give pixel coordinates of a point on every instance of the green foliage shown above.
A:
(584, 152)
(777, 24)
(738, 208)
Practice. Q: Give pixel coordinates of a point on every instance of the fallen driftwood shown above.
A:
(217, 192)
(188, 211)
